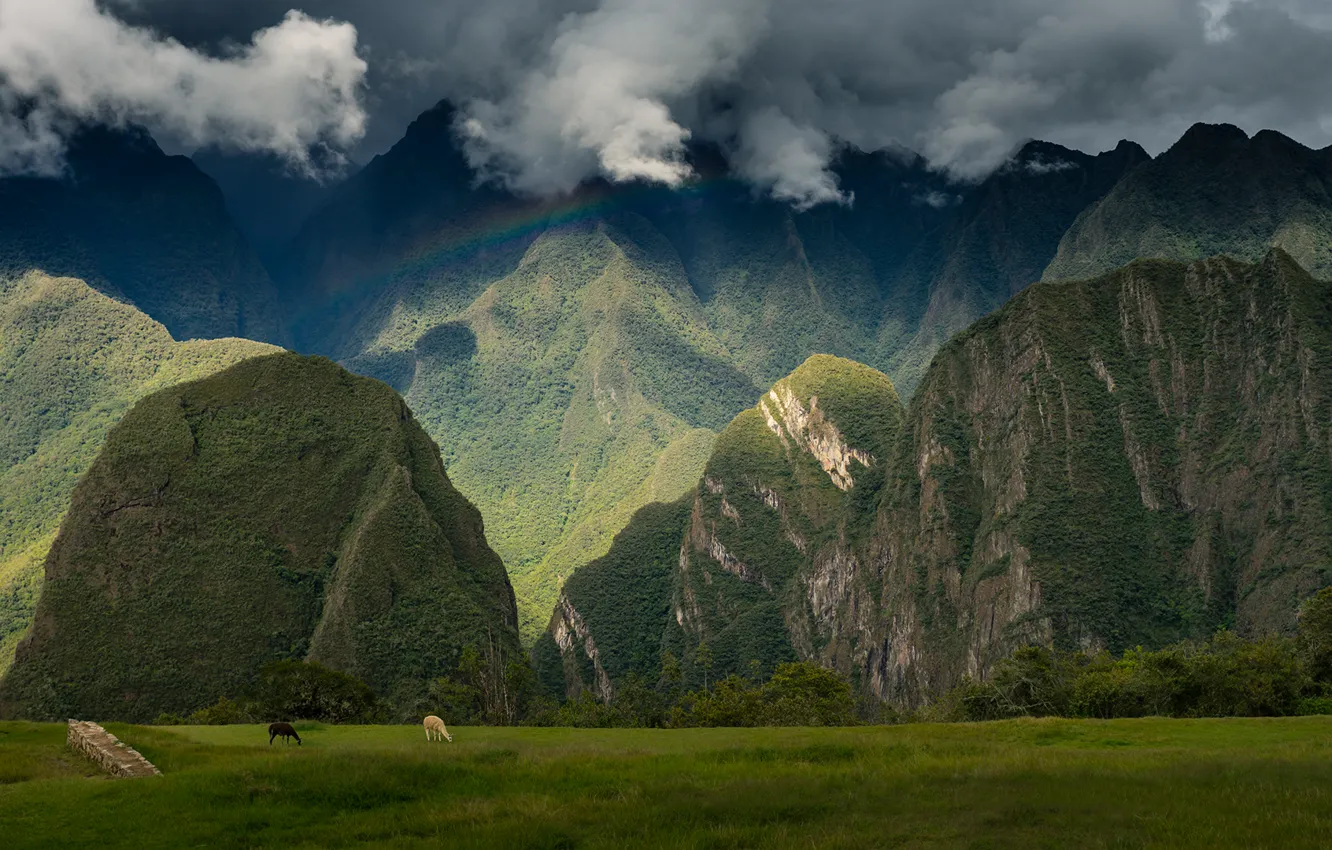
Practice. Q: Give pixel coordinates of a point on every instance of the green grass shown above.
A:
(1020, 784)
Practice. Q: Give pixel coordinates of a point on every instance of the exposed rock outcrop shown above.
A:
(1126, 461)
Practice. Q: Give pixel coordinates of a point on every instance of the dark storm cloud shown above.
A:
(552, 92)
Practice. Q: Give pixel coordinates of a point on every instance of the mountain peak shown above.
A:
(1202, 138)
(1128, 150)
(1041, 157)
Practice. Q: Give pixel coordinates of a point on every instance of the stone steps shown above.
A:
(108, 751)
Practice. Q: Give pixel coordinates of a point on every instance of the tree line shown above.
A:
(1223, 676)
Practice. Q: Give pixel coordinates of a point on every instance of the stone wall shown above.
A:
(114, 756)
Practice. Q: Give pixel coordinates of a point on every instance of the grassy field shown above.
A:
(1047, 783)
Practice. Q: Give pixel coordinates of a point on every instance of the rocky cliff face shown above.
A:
(281, 509)
(759, 562)
(1130, 460)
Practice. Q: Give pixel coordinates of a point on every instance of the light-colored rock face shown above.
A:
(1102, 465)
(779, 520)
(810, 431)
(572, 633)
(1072, 481)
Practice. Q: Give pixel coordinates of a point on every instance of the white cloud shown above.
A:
(601, 97)
(294, 85)
(787, 160)
(936, 199)
(561, 90)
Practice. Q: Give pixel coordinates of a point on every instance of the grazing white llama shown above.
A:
(434, 726)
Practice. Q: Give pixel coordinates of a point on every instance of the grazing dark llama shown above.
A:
(283, 729)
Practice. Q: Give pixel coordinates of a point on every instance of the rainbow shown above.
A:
(517, 221)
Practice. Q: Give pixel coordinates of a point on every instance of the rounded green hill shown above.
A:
(281, 509)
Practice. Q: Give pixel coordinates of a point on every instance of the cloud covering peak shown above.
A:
(551, 92)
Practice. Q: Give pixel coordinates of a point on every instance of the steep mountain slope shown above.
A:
(283, 508)
(750, 562)
(778, 285)
(574, 355)
(1215, 191)
(1128, 460)
(143, 226)
(1003, 234)
(72, 361)
(572, 392)
(1125, 461)
(407, 235)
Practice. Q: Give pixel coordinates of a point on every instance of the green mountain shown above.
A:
(144, 227)
(1005, 231)
(576, 357)
(1117, 462)
(778, 285)
(1129, 460)
(753, 560)
(283, 508)
(72, 361)
(1216, 191)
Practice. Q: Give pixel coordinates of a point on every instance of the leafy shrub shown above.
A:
(1316, 635)
(1226, 676)
(1314, 705)
(804, 694)
(290, 690)
(224, 712)
(168, 719)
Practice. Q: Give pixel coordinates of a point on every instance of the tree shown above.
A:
(1315, 635)
(291, 690)
(703, 658)
(672, 677)
(801, 693)
(755, 670)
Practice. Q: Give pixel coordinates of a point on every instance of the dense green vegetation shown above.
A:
(1216, 191)
(1131, 461)
(728, 565)
(1224, 676)
(281, 509)
(1125, 783)
(624, 597)
(561, 414)
(291, 690)
(1127, 461)
(146, 227)
(72, 361)
(1000, 239)
(570, 356)
(798, 693)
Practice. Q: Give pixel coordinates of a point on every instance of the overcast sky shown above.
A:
(552, 92)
